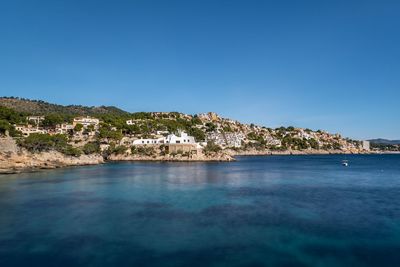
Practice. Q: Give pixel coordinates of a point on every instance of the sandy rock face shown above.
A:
(25, 161)
(14, 161)
(8, 145)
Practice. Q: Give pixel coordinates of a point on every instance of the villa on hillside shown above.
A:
(86, 121)
(130, 122)
(64, 128)
(36, 119)
(184, 138)
(149, 141)
(26, 130)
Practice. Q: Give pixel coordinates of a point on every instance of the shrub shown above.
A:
(119, 150)
(91, 148)
(12, 116)
(197, 134)
(196, 120)
(52, 120)
(256, 137)
(211, 127)
(71, 151)
(4, 126)
(313, 143)
(106, 132)
(227, 129)
(336, 146)
(78, 127)
(211, 147)
(145, 150)
(44, 142)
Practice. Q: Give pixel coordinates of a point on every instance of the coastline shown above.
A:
(23, 161)
(298, 152)
(28, 162)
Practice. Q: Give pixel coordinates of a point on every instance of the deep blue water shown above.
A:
(258, 211)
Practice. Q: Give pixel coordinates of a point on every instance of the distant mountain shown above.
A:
(384, 141)
(39, 107)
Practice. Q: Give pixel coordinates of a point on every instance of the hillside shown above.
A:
(381, 141)
(38, 107)
(125, 128)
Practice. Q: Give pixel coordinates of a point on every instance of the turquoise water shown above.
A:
(258, 211)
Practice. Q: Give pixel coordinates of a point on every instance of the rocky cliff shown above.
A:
(14, 159)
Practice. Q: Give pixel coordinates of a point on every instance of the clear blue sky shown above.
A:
(331, 65)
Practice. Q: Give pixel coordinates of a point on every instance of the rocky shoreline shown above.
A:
(24, 161)
(15, 160)
(294, 152)
(27, 162)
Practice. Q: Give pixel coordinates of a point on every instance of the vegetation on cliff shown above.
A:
(45, 142)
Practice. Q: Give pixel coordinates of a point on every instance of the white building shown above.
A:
(162, 132)
(130, 122)
(86, 121)
(149, 141)
(184, 138)
(26, 130)
(35, 119)
(64, 128)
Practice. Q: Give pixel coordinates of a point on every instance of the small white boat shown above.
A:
(345, 163)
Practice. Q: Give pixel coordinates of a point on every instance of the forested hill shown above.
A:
(39, 107)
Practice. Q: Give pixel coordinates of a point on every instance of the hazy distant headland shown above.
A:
(37, 134)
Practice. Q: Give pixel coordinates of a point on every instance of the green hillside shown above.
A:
(39, 107)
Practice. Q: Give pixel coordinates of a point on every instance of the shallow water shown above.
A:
(258, 211)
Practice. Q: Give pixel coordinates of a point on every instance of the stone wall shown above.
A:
(185, 148)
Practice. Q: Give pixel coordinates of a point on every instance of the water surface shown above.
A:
(258, 211)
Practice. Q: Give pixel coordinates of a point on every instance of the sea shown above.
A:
(257, 211)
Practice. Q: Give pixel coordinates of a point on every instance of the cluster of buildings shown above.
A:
(34, 125)
(226, 133)
(229, 139)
